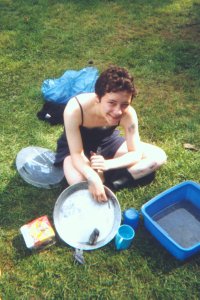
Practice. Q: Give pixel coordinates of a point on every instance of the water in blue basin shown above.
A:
(182, 223)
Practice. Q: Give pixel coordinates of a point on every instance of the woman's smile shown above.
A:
(114, 119)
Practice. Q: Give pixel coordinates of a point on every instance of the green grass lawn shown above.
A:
(159, 42)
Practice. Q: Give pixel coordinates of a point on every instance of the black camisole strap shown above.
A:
(80, 109)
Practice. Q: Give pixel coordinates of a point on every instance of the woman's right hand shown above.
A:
(97, 190)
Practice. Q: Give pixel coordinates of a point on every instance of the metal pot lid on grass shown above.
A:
(36, 166)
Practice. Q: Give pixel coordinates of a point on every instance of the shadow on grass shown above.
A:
(21, 202)
(146, 249)
(22, 252)
(157, 257)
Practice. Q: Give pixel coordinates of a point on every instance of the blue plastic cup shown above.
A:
(124, 237)
(131, 217)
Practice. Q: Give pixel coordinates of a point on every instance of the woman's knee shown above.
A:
(161, 157)
(155, 153)
(121, 150)
(71, 174)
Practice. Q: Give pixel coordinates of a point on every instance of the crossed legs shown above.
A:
(153, 158)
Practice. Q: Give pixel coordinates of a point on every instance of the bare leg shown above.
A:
(71, 174)
(153, 158)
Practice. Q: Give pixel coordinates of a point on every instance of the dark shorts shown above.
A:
(108, 146)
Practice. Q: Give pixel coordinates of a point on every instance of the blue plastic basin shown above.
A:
(173, 218)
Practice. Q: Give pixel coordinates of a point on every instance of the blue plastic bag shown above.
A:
(71, 83)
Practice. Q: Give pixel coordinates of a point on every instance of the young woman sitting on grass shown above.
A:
(92, 149)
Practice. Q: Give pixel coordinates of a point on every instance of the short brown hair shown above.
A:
(115, 79)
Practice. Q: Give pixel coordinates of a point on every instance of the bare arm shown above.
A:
(133, 155)
(72, 121)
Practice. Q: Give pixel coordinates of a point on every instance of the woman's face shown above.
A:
(114, 105)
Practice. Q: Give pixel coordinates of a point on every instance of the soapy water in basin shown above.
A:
(182, 223)
(81, 214)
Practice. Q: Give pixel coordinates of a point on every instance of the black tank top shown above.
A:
(92, 138)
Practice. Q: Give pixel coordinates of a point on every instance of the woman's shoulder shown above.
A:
(131, 112)
(85, 98)
(80, 102)
(129, 117)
